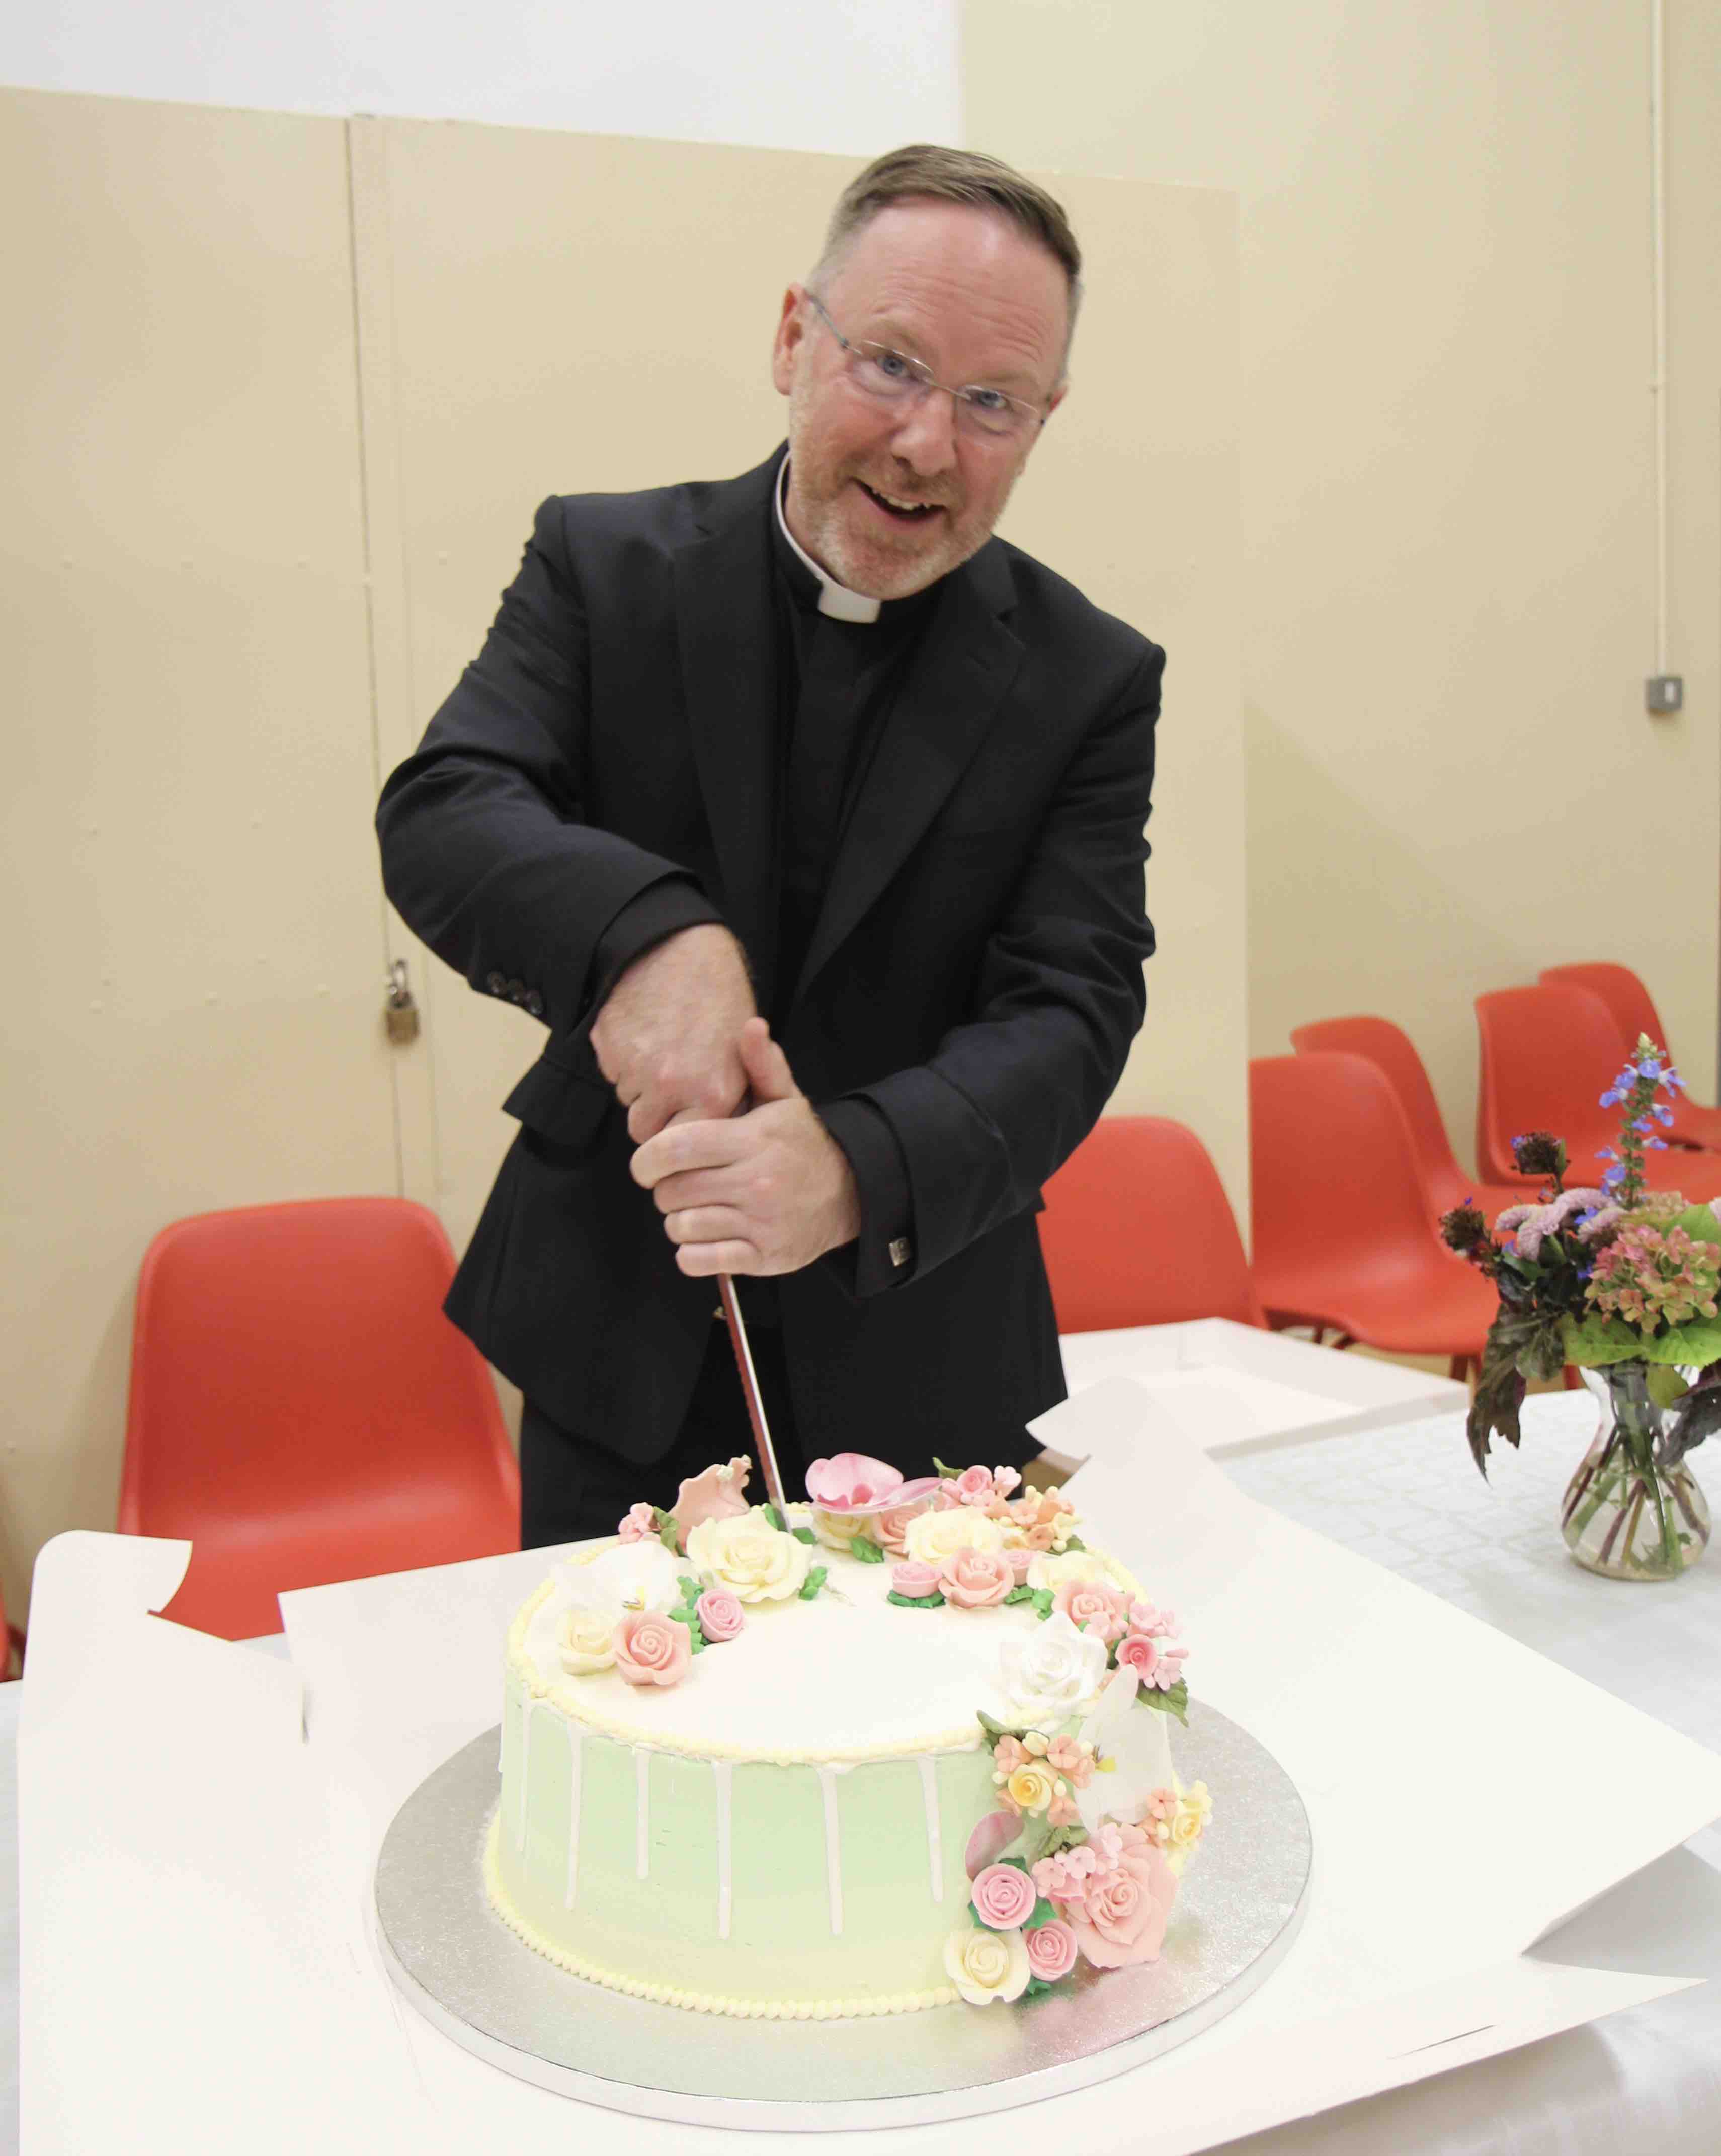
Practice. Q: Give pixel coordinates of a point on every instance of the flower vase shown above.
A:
(1624, 1514)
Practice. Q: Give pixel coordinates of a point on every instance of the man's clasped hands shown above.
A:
(763, 1191)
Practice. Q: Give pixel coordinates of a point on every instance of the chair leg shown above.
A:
(1458, 1369)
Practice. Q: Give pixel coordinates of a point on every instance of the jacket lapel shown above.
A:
(943, 710)
(726, 635)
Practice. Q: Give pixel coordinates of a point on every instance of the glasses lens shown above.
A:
(882, 372)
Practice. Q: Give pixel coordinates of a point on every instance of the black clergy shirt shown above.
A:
(836, 682)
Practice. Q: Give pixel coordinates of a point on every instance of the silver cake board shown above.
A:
(454, 1959)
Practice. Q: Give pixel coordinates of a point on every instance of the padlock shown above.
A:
(400, 1012)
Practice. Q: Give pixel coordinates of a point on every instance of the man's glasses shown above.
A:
(893, 378)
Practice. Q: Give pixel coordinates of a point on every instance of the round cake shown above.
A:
(807, 1766)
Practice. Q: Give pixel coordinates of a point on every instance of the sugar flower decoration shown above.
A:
(651, 1649)
(987, 1965)
(639, 1524)
(1052, 1571)
(755, 1561)
(1049, 1673)
(931, 1537)
(854, 1482)
(636, 1575)
(716, 1494)
(719, 1613)
(975, 1579)
(1136, 1742)
(1003, 1896)
(1052, 1950)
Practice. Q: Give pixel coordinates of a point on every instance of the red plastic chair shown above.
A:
(1343, 1233)
(1137, 1231)
(302, 1411)
(1392, 1053)
(1547, 1056)
(1635, 1014)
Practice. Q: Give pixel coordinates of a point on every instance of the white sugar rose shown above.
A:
(755, 1561)
(838, 1530)
(1051, 1671)
(931, 1537)
(987, 1965)
(585, 1639)
(1075, 1565)
(633, 1575)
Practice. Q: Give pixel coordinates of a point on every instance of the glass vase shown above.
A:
(1624, 1514)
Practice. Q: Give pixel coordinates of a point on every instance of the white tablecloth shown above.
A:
(1409, 1498)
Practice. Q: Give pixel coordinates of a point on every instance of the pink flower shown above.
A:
(1121, 1918)
(914, 1581)
(651, 1649)
(1140, 1653)
(1156, 1624)
(1061, 1811)
(639, 1525)
(945, 1498)
(1008, 1753)
(1005, 1480)
(1061, 1878)
(975, 1580)
(1169, 1668)
(1091, 1606)
(974, 1485)
(1066, 1757)
(1040, 1538)
(851, 1481)
(1003, 1896)
(888, 1526)
(1020, 1562)
(714, 1495)
(1052, 1950)
(1161, 1805)
(719, 1614)
(992, 1835)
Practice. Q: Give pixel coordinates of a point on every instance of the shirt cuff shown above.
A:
(883, 1257)
(659, 912)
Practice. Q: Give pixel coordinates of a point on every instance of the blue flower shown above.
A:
(1605, 1152)
(1615, 1093)
(1650, 1067)
(1664, 1117)
(1655, 1145)
(1613, 1177)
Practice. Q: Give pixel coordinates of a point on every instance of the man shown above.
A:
(808, 817)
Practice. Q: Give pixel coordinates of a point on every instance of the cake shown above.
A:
(906, 1745)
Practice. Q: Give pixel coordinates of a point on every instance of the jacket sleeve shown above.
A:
(485, 851)
(1013, 1087)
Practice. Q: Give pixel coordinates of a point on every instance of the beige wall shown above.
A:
(1447, 475)
(291, 411)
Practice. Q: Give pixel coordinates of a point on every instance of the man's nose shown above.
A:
(927, 436)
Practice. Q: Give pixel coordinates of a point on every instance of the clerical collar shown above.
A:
(835, 599)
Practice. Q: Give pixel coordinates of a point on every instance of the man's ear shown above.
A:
(1058, 397)
(791, 328)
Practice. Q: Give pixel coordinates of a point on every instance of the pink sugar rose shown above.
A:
(1139, 1653)
(974, 1485)
(945, 1498)
(716, 1494)
(1020, 1561)
(888, 1526)
(1052, 1950)
(1093, 1607)
(1003, 1896)
(1121, 1918)
(639, 1525)
(719, 1613)
(914, 1580)
(975, 1580)
(651, 1649)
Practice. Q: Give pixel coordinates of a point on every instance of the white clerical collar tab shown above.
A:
(835, 599)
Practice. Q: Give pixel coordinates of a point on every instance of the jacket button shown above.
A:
(535, 1004)
(496, 985)
(516, 992)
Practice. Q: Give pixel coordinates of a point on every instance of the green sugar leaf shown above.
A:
(814, 1581)
(994, 1730)
(1041, 1598)
(864, 1551)
(667, 1536)
(1175, 1702)
(1044, 1913)
(1022, 1593)
(803, 1535)
(934, 1601)
(776, 1518)
(690, 1588)
(1075, 1543)
(949, 1474)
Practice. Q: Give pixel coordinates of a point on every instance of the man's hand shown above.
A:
(666, 1037)
(763, 1192)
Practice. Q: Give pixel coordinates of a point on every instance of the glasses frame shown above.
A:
(922, 376)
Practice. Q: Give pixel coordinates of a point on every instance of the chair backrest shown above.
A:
(1547, 1053)
(294, 1384)
(1620, 989)
(1394, 1054)
(1137, 1231)
(1332, 1164)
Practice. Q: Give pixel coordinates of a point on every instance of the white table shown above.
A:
(1408, 1496)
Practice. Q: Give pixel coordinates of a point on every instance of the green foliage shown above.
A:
(933, 1601)
(690, 1588)
(1041, 1598)
(1022, 1593)
(687, 1615)
(949, 1474)
(865, 1551)
(1698, 1416)
(1175, 1702)
(1600, 1341)
(1666, 1384)
(775, 1517)
(814, 1581)
(803, 1535)
(667, 1536)
(1075, 1543)
(993, 1730)
(1043, 1913)
(1699, 1222)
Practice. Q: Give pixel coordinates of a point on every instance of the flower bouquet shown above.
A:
(1622, 1281)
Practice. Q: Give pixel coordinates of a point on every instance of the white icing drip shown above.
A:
(935, 1846)
(833, 1847)
(576, 1741)
(723, 1774)
(642, 1813)
(527, 1705)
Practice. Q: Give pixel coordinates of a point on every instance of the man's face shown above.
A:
(980, 304)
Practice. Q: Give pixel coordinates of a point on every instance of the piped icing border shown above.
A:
(965, 1737)
(697, 2002)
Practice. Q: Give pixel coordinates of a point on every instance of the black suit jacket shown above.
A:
(975, 972)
